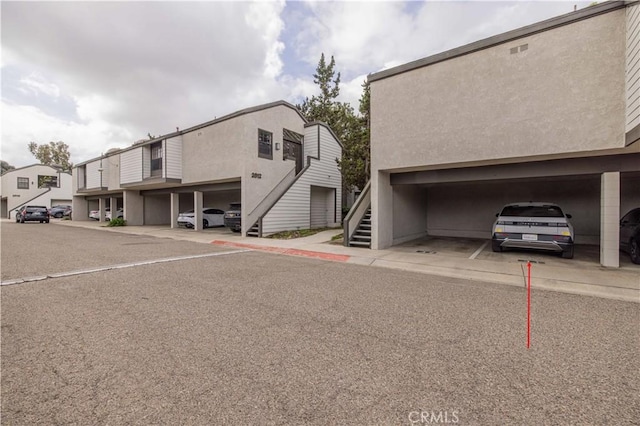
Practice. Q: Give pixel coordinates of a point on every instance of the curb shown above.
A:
(287, 251)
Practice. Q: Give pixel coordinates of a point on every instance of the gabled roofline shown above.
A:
(538, 27)
(244, 112)
(200, 126)
(326, 126)
(33, 165)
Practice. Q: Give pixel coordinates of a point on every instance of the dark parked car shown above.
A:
(33, 214)
(233, 217)
(630, 234)
(59, 211)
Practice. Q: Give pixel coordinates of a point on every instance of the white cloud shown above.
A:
(36, 84)
(23, 124)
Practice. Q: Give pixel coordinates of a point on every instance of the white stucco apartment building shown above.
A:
(36, 184)
(548, 112)
(281, 168)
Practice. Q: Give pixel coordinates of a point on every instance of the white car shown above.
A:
(210, 217)
(95, 214)
(538, 226)
(119, 214)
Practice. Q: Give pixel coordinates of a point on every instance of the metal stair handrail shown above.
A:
(356, 213)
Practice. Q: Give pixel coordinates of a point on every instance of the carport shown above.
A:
(463, 201)
(162, 206)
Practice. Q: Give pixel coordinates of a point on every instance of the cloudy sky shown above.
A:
(100, 75)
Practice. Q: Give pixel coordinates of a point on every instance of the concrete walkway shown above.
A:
(577, 278)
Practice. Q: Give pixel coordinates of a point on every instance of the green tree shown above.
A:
(325, 107)
(356, 156)
(52, 154)
(342, 119)
(5, 167)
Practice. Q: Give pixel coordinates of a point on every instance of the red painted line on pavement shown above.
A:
(288, 251)
(528, 304)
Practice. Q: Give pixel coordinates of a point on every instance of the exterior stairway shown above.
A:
(362, 236)
(254, 231)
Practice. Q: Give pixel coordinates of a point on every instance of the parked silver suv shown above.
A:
(540, 226)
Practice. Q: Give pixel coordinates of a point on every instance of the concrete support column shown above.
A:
(113, 202)
(381, 211)
(133, 208)
(610, 219)
(175, 209)
(197, 210)
(102, 205)
(79, 208)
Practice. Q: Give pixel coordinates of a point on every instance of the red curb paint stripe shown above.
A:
(290, 251)
(318, 255)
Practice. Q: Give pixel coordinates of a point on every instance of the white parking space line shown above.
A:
(477, 252)
(120, 266)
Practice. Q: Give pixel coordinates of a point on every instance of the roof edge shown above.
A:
(538, 27)
(243, 112)
(326, 126)
(200, 126)
(59, 170)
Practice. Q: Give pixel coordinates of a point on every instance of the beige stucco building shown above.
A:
(548, 112)
(37, 184)
(281, 168)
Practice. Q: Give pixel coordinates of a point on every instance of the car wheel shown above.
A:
(495, 246)
(568, 254)
(205, 223)
(46, 221)
(57, 215)
(634, 251)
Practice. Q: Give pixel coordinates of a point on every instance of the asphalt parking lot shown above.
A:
(258, 338)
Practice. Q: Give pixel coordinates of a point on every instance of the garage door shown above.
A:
(320, 206)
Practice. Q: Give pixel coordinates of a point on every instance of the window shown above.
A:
(156, 159)
(23, 183)
(47, 181)
(265, 145)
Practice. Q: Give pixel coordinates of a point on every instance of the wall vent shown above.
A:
(520, 48)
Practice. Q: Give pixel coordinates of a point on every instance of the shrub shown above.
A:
(117, 222)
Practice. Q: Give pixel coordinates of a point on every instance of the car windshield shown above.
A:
(532, 211)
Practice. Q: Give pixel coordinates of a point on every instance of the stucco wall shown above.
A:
(564, 94)
(271, 171)
(113, 172)
(409, 213)
(157, 209)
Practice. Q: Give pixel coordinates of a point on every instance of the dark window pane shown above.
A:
(265, 144)
(532, 211)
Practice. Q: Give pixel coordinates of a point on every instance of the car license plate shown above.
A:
(530, 237)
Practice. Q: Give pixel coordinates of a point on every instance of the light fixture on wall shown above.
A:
(277, 146)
